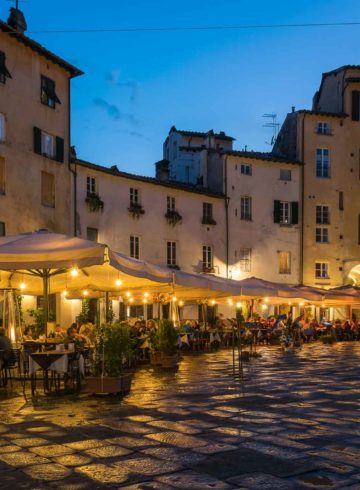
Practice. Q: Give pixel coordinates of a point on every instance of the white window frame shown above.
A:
(170, 203)
(245, 259)
(284, 262)
(246, 208)
(322, 234)
(322, 214)
(323, 127)
(135, 244)
(323, 163)
(285, 213)
(171, 253)
(246, 169)
(285, 174)
(2, 128)
(322, 270)
(90, 185)
(207, 257)
(134, 195)
(48, 145)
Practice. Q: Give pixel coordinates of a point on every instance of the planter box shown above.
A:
(116, 385)
(155, 358)
(169, 361)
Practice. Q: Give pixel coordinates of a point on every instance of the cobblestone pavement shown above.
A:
(293, 423)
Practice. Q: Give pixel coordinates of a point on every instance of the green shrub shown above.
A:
(167, 337)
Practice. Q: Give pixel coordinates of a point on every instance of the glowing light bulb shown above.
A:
(301, 304)
(266, 300)
(74, 272)
(230, 302)
(22, 286)
(127, 294)
(146, 295)
(118, 282)
(181, 303)
(238, 305)
(213, 302)
(289, 303)
(264, 307)
(174, 299)
(131, 300)
(144, 301)
(322, 306)
(64, 293)
(85, 293)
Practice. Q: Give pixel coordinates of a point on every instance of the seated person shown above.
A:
(59, 332)
(73, 337)
(27, 335)
(5, 345)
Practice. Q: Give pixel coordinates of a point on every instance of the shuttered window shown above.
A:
(49, 146)
(207, 260)
(48, 92)
(171, 258)
(135, 247)
(2, 128)
(284, 262)
(47, 189)
(286, 213)
(4, 72)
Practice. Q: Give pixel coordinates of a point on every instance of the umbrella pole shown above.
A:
(107, 307)
(46, 300)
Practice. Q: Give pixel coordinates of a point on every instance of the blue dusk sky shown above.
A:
(138, 84)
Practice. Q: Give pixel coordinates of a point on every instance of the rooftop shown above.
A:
(341, 115)
(8, 30)
(199, 134)
(149, 180)
(257, 155)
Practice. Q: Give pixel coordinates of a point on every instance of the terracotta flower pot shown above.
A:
(108, 384)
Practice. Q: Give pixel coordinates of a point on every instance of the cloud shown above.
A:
(114, 78)
(113, 111)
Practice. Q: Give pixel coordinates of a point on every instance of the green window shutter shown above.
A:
(294, 213)
(355, 105)
(59, 149)
(37, 140)
(276, 211)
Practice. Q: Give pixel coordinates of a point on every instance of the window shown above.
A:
(323, 128)
(321, 270)
(245, 208)
(92, 234)
(208, 214)
(2, 128)
(47, 189)
(322, 235)
(135, 247)
(322, 215)
(2, 175)
(171, 254)
(134, 196)
(2, 228)
(355, 109)
(170, 201)
(4, 72)
(207, 260)
(322, 162)
(245, 259)
(286, 213)
(284, 262)
(48, 145)
(285, 174)
(90, 185)
(48, 93)
(246, 169)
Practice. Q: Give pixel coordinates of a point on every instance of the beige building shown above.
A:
(327, 140)
(35, 180)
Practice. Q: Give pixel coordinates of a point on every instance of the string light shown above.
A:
(85, 293)
(174, 299)
(146, 295)
(118, 282)
(22, 286)
(127, 294)
(131, 300)
(301, 304)
(213, 302)
(74, 272)
(181, 303)
(144, 301)
(266, 300)
(289, 303)
(64, 293)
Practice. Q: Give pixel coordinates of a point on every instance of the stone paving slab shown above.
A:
(291, 424)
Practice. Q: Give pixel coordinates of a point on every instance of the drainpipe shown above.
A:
(227, 200)
(302, 195)
(72, 170)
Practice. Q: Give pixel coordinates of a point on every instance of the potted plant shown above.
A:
(136, 210)
(94, 202)
(173, 217)
(167, 341)
(113, 356)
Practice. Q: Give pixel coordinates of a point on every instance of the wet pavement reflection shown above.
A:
(292, 422)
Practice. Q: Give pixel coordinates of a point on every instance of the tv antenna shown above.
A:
(274, 125)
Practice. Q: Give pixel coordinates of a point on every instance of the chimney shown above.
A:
(17, 20)
(162, 170)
